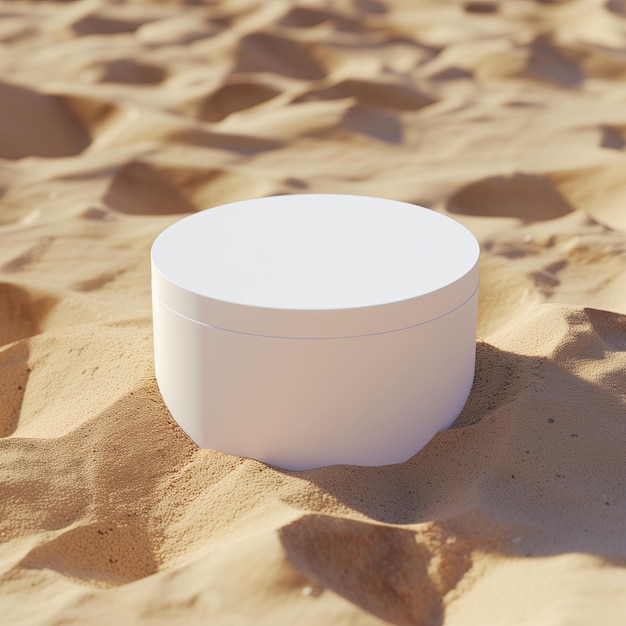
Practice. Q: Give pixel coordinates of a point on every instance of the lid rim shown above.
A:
(325, 337)
(338, 265)
(312, 323)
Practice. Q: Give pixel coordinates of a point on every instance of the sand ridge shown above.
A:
(117, 119)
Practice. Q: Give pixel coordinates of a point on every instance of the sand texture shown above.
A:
(118, 118)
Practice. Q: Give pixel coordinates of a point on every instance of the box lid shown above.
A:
(315, 266)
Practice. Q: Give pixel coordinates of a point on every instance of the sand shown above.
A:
(118, 118)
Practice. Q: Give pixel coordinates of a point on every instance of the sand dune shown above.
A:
(116, 119)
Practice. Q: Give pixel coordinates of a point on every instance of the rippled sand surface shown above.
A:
(118, 118)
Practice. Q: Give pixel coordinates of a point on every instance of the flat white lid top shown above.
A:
(313, 253)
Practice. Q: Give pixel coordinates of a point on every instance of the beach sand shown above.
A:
(118, 118)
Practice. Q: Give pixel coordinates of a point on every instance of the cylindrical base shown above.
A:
(305, 403)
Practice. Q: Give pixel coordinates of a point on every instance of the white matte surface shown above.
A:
(311, 330)
(315, 252)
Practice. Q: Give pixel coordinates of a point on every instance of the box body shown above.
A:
(304, 403)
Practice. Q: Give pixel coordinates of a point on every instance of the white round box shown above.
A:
(312, 330)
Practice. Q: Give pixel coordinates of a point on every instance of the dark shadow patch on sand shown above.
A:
(375, 7)
(497, 381)
(304, 17)
(101, 554)
(21, 312)
(53, 131)
(100, 25)
(383, 570)
(91, 112)
(234, 97)
(14, 374)
(548, 62)
(242, 144)
(612, 138)
(31, 255)
(296, 183)
(138, 189)
(130, 72)
(611, 327)
(524, 104)
(386, 95)
(546, 279)
(482, 7)
(97, 214)
(142, 188)
(616, 6)
(263, 52)
(99, 282)
(524, 196)
(373, 123)
(453, 73)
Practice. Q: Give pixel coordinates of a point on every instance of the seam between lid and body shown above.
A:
(382, 332)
